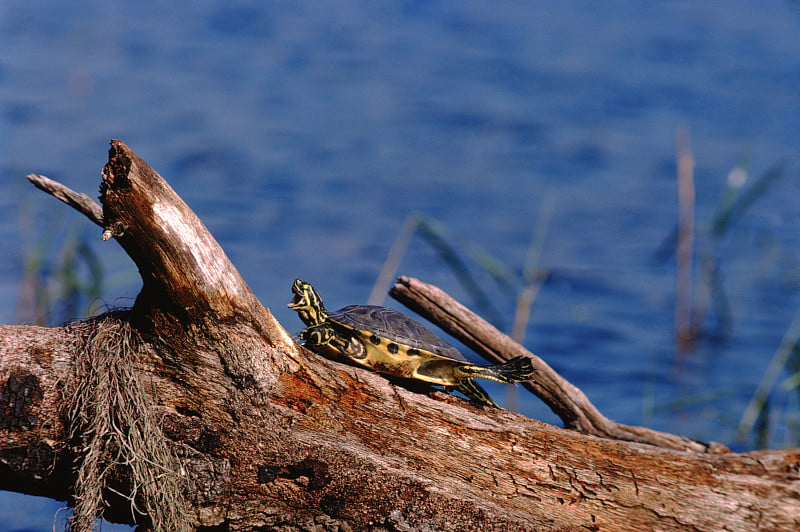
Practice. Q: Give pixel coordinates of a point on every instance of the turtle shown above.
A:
(389, 342)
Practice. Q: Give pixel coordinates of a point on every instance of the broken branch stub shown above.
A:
(189, 284)
(177, 257)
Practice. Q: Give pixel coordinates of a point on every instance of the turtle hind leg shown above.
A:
(475, 393)
(515, 370)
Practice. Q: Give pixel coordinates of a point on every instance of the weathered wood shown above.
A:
(267, 434)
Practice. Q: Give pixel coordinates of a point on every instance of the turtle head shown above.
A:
(307, 304)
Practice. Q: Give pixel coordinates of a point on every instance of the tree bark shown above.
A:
(195, 408)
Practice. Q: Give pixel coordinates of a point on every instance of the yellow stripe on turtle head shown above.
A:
(307, 303)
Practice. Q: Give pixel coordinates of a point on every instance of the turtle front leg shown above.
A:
(350, 346)
(327, 336)
(317, 336)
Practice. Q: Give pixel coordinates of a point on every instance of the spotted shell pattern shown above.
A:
(388, 324)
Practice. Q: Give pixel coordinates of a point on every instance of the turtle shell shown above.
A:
(395, 327)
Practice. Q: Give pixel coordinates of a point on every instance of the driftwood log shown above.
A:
(196, 409)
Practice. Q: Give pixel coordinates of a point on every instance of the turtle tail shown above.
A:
(515, 370)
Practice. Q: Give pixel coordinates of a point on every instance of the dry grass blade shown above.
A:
(392, 262)
(436, 235)
(684, 330)
(533, 276)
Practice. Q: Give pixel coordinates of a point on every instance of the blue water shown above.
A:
(303, 135)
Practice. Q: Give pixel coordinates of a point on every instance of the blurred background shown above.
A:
(523, 157)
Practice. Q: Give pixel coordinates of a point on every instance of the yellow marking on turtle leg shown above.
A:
(482, 372)
(515, 370)
(476, 394)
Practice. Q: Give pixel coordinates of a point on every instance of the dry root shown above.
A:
(115, 435)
